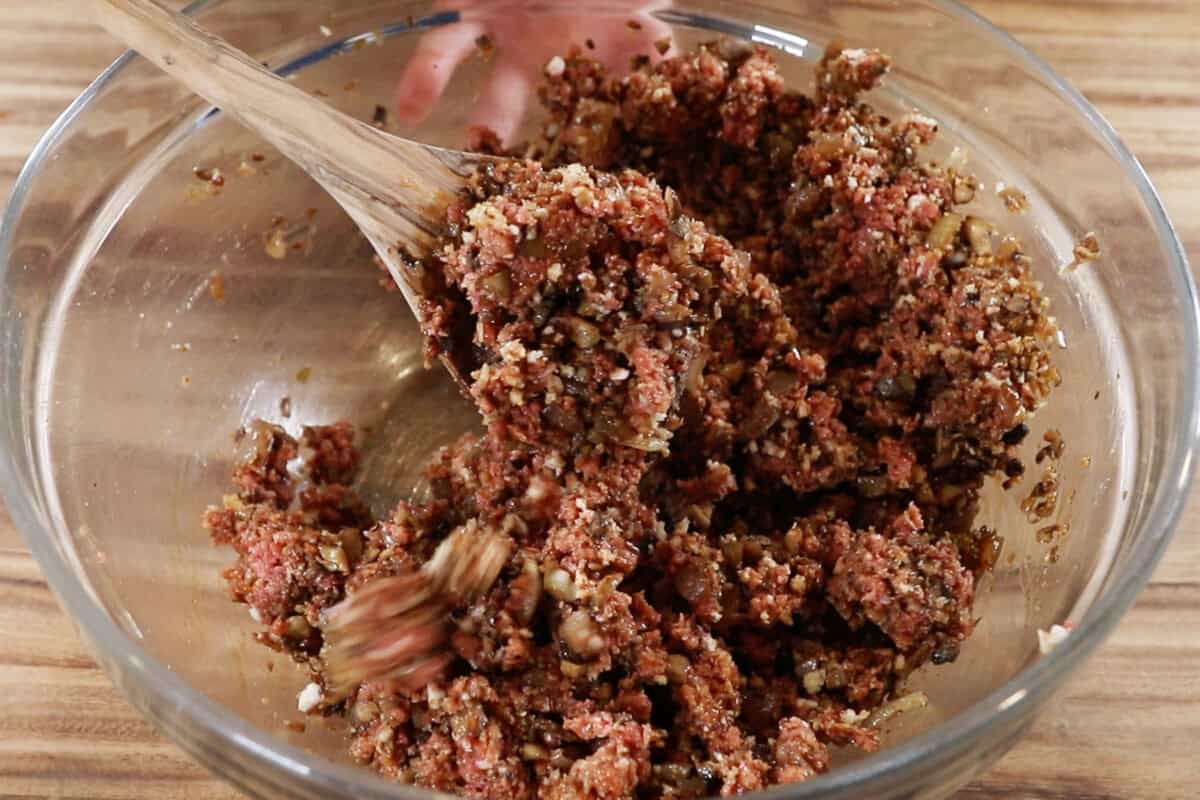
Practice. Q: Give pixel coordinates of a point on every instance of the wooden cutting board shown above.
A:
(1127, 726)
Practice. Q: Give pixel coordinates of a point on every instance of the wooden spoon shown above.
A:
(395, 190)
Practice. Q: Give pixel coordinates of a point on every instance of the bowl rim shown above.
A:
(221, 738)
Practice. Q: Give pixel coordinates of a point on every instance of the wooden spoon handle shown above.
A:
(359, 164)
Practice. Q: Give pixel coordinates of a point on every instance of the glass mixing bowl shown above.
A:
(144, 320)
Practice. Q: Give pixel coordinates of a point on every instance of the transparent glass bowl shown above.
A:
(125, 372)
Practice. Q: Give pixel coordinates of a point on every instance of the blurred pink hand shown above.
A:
(524, 42)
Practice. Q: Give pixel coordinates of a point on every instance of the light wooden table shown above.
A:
(1128, 726)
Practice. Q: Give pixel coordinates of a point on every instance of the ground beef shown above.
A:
(913, 589)
(589, 293)
(743, 364)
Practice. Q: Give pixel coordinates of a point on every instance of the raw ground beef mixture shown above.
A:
(743, 369)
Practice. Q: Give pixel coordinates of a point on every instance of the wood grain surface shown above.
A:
(1127, 726)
